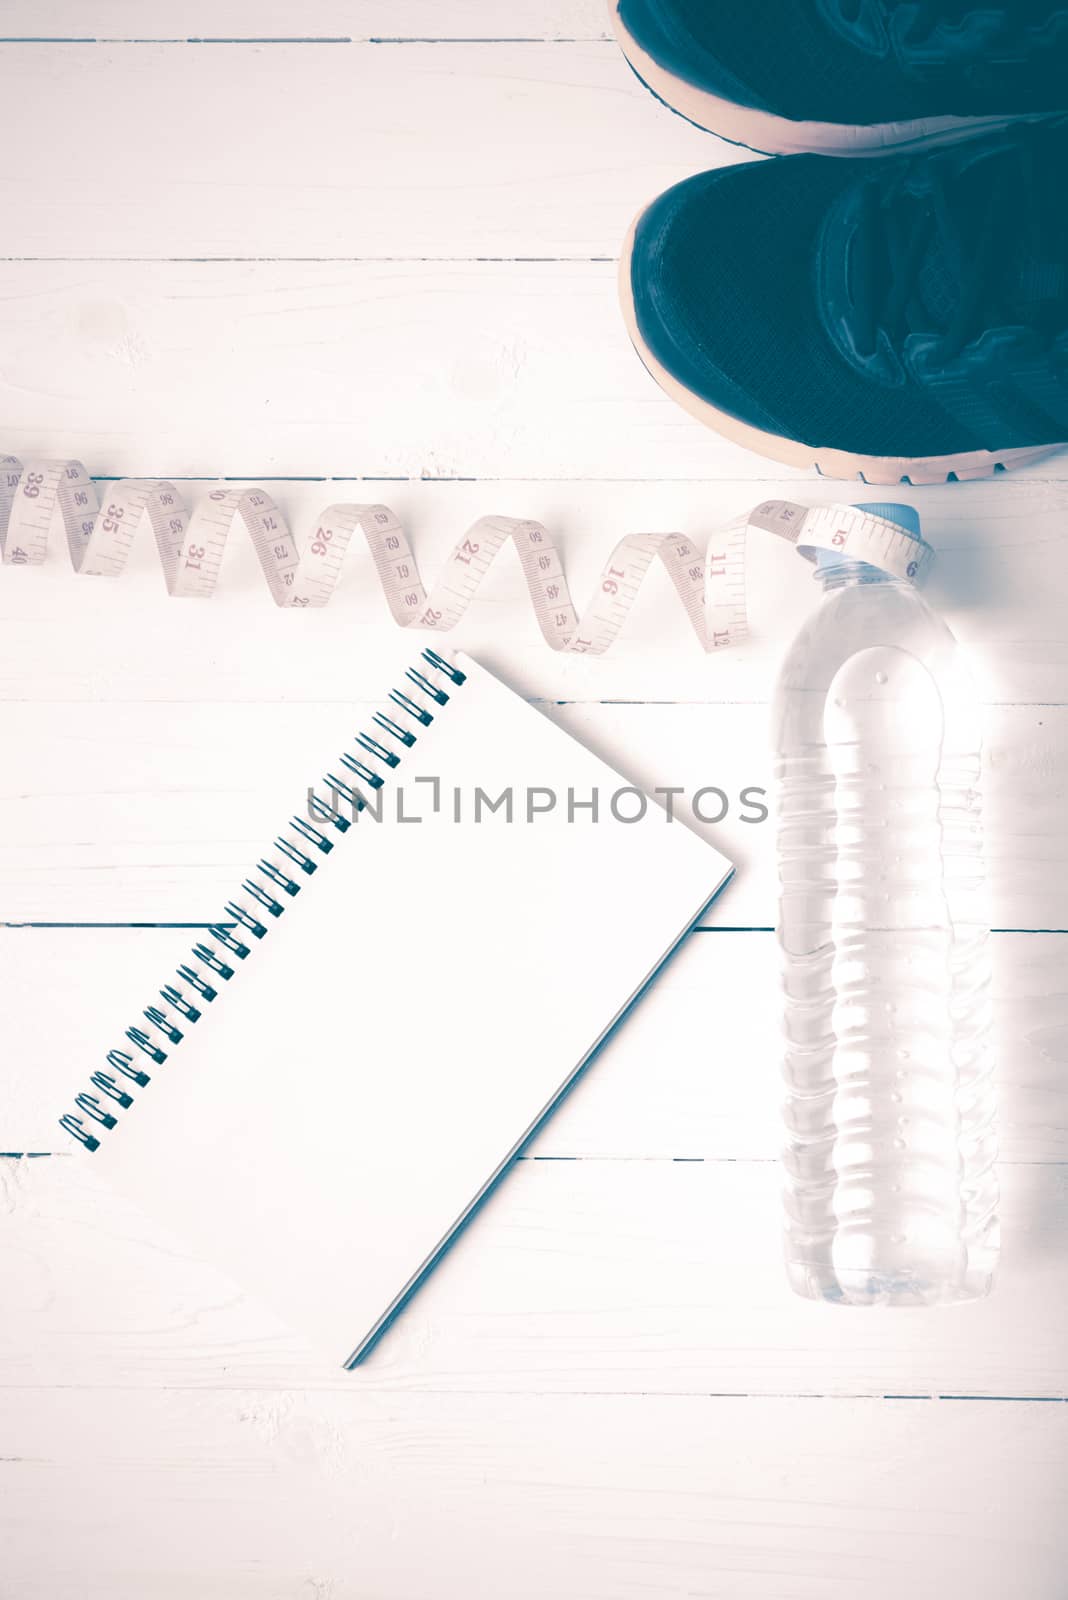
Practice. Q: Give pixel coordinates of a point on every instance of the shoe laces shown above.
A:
(955, 250)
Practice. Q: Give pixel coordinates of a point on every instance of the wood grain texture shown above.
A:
(385, 369)
(306, 151)
(277, 20)
(610, 1277)
(346, 1496)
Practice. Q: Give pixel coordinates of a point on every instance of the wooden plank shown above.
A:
(607, 1277)
(371, 369)
(194, 20)
(584, 1498)
(310, 150)
(380, 370)
(153, 812)
(694, 1073)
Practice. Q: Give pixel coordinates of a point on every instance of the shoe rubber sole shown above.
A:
(827, 461)
(768, 134)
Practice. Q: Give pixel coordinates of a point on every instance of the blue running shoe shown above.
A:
(898, 319)
(848, 77)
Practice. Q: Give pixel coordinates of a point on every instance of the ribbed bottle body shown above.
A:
(891, 1195)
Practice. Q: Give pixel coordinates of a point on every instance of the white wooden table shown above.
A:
(373, 240)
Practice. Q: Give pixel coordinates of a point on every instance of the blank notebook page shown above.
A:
(325, 1126)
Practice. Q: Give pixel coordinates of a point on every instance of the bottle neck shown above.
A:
(846, 574)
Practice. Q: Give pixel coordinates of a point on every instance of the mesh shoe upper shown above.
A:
(772, 291)
(861, 62)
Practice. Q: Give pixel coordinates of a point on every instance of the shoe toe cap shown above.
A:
(719, 274)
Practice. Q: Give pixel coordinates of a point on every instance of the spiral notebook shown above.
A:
(393, 1002)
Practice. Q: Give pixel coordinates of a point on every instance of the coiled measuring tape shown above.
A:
(711, 586)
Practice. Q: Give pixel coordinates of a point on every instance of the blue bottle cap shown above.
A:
(907, 518)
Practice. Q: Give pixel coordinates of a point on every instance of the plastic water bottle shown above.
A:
(891, 1195)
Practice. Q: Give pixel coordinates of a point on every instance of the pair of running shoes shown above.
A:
(889, 298)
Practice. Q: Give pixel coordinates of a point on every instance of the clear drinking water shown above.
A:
(891, 1195)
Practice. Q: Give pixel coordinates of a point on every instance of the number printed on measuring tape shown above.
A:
(711, 587)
